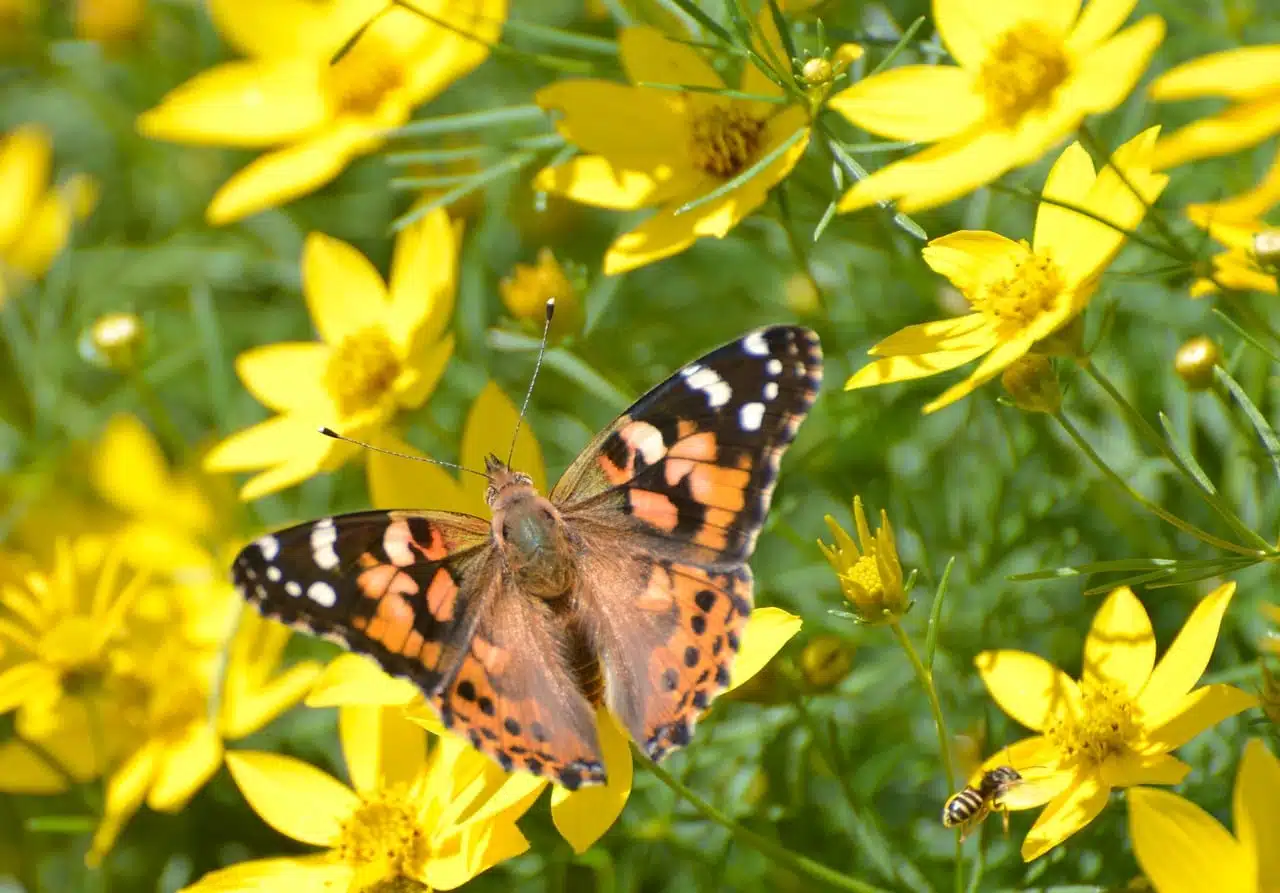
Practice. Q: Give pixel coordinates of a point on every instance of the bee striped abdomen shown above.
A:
(965, 807)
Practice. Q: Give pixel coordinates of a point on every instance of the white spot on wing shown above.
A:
(770, 390)
(700, 378)
(774, 366)
(269, 546)
(755, 344)
(750, 416)
(323, 536)
(322, 594)
(293, 588)
(273, 574)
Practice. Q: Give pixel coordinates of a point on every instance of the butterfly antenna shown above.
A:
(542, 349)
(329, 432)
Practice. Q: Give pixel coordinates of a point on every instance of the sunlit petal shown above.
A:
(1128, 770)
(1183, 849)
(1099, 20)
(188, 763)
(1028, 688)
(906, 368)
(1121, 647)
(300, 873)
(355, 679)
(382, 748)
(1237, 127)
(1079, 805)
(649, 55)
(919, 103)
(1256, 806)
(344, 291)
(1194, 713)
(644, 130)
(970, 257)
(1237, 74)
(291, 796)
(767, 630)
(286, 375)
(1184, 663)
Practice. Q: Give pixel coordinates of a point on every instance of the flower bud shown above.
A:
(825, 661)
(1032, 383)
(871, 577)
(845, 55)
(1195, 360)
(113, 341)
(1266, 249)
(528, 288)
(1269, 694)
(817, 72)
(109, 21)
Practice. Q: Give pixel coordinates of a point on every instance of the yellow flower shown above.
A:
(1116, 726)
(323, 111)
(1028, 75)
(871, 577)
(1249, 76)
(651, 147)
(1237, 223)
(1183, 849)
(437, 819)
(109, 21)
(383, 349)
(584, 815)
(528, 288)
(1023, 293)
(35, 220)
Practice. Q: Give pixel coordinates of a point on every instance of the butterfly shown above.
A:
(628, 586)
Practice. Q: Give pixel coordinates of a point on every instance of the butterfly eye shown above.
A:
(506, 530)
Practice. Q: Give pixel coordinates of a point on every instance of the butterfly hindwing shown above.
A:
(394, 585)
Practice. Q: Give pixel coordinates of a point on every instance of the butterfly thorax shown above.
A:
(530, 533)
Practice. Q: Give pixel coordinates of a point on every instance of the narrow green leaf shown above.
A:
(784, 31)
(1246, 334)
(465, 153)
(692, 10)
(935, 616)
(857, 172)
(733, 183)
(564, 362)
(482, 178)
(61, 824)
(568, 39)
(513, 114)
(1260, 424)
(901, 45)
(1185, 457)
(716, 91)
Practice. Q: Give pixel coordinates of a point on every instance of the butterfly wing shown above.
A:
(669, 501)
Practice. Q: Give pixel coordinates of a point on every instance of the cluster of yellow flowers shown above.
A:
(125, 655)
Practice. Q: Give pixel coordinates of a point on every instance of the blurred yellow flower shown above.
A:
(109, 21)
(871, 577)
(528, 287)
(384, 348)
(1116, 726)
(35, 220)
(653, 147)
(1023, 293)
(323, 112)
(1027, 75)
(1249, 76)
(1251, 261)
(411, 816)
(1183, 849)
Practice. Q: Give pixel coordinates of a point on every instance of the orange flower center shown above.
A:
(1106, 725)
(362, 370)
(383, 841)
(1030, 290)
(1021, 72)
(359, 81)
(724, 140)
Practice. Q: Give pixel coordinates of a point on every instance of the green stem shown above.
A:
(160, 417)
(797, 249)
(799, 864)
(820, 737)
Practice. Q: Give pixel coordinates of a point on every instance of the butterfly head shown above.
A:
(529, 532)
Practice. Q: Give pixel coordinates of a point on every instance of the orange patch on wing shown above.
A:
(442, 596)
(397, 618)
(657, 597)
(701, 447)
(429, 656)
(685, 428)
(714, 531)
(723, 488)
(385, 579)
(413, 644)
(654, 509)
(434, 549)
(491, 657)
(615, 474)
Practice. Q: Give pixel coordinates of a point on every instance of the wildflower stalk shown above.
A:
(798, 250)
(801, 865)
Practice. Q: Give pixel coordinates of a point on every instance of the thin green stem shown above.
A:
(820, 737)
(801, 865)
(160, 417)
(798, 250)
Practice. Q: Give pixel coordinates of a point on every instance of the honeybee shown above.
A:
(967, 809)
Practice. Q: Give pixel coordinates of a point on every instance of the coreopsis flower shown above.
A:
(383, 348)
(651, 147)
(871, 577)
(1183, 849)
(1027, 75)
(1032, 384)
(35, 218)
(321, 111)
(1242, 267)
(526, 290)
(1116, 726)
(584, 815)
(413, 817)
(1023, 293)
(1249, 76)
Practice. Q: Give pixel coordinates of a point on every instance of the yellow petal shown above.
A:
(767, 630)
(291, 28)
(247, 714)
(126, 790)
(1182, 849)
(473, 850)
(1129, 770)
(1099, 20)
(344, 291)
(355, 679)
(1183, 664)
(128, 468)
(767, 42)
(266, 443)
(970, 258)
(970, 28)
(920, 103)
(285, 174)
(1234, 128)
(583, 816)
(44, 234)
(250, 104)
(288, 375)
(996, 361)
(296, 799)
(382, 748)
(491, 422)
(1028, 688)
(456, 41)
(1237, 74)
(634, 128)
(1249, 205)
(1104, 76)
(186, 765)
(1194, 713)
(23, 771)
(301, 873)
(649, 55)
(1121, 647)
(957, 333)
(20, 682)
(1079, 805)
(1069, 180)
(601, 182)
(1256, 807)
(26, 158)
(397, 484)
(909, 367)
(423, 282)
(424, 368)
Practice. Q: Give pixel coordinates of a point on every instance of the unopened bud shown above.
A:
(528, 288)
(113, 341)
(845, 55)
(1031, 382)
(1266, 249)
(825, 661)
(817, 72)
(109, 21)
(1195, 360)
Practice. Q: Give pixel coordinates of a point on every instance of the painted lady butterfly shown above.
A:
(629, 586)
